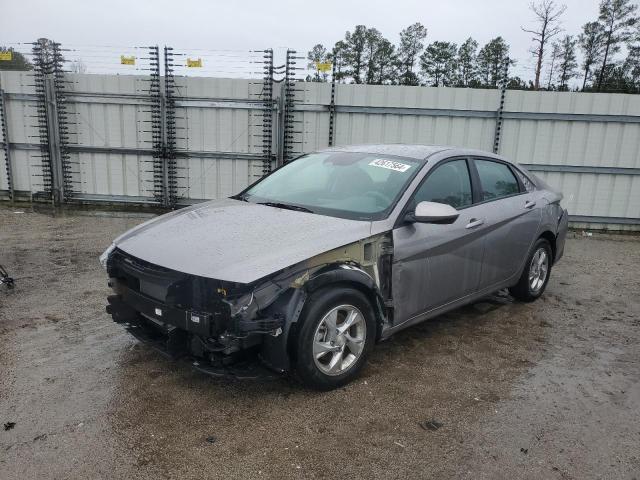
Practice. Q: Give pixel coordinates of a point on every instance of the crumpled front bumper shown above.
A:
(183, 315)
(175, 335)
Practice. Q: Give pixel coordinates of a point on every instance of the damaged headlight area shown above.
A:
(187, 315)
(104, 258)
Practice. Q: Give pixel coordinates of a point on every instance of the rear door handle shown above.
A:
(529, 204)
(474, 222)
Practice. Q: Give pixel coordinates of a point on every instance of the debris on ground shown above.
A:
(432, 425)
(9, 425)
(211, 439)
(5, 279)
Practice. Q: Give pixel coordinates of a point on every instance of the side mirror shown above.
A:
(432, 212)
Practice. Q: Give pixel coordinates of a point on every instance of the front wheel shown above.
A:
(337, 333)
(535, 276)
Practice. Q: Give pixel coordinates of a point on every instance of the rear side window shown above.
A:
(449, 183)
(497, 180)
(528, 184)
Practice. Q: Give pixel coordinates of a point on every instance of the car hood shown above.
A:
(237, 241)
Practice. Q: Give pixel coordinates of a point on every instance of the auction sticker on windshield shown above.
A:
(390, 165)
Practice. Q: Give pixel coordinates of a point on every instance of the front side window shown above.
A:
(497, 180)
(449, 183)
(360, 186)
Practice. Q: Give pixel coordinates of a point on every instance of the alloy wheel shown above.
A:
(339, 340)
(538, 269)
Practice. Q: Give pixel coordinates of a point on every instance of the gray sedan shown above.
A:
(312, 265)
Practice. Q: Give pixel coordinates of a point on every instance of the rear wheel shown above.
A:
(337, 333)
(535, 275)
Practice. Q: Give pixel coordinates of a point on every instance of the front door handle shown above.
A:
(529, 204)
(474, 222)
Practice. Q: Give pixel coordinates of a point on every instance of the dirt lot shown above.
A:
(544, 390)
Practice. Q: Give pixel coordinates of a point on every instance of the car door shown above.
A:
(435, 264)
(511, 220)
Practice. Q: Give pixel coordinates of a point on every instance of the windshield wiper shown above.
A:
(286, 206)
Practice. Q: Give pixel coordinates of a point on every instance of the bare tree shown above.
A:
(547, 15)
(555, 57)
(78, 66)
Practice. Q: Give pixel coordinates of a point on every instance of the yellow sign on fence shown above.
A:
(323, 66)
(194, 63)
(124, 60)
(6, 56)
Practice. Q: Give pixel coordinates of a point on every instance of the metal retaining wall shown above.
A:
(587, 145)
(218, 141)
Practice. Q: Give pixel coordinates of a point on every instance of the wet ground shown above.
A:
(543, 390)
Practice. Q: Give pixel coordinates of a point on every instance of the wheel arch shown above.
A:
(550, 237)
(339, 276)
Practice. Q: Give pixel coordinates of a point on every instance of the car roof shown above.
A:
(415, 151)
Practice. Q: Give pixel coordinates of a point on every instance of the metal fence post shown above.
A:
(158, 128)
(500, 111)
(55, 153)
(281, 112)
(170, 160)
(4, 127)
(332, 104)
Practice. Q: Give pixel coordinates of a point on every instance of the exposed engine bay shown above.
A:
(220, 323)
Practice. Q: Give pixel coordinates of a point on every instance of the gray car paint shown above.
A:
(456, 262)
(238, 241)
(435, 269)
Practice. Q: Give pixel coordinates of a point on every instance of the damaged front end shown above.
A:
(221, 323)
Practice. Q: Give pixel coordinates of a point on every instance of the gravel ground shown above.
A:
(543, 390)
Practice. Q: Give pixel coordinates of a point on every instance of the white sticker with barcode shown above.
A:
(390, 165)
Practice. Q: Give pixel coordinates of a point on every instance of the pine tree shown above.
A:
(617, 17)
(438, 63)
(567, 62)
(354, 53)
(591, 44)
(466, 61)
(491, 61)
(411, 45)
(318, 54)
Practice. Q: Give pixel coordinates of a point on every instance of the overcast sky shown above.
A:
(250, 24)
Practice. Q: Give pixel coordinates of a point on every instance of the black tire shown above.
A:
(320, 304)
(523, 290)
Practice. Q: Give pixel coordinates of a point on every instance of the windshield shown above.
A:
(359, 186)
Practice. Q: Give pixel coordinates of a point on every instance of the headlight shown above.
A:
(104, 258)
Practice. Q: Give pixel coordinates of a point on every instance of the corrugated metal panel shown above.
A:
(599, 195)
(219, 129)
(99, 123)
(579, 143)
(373, 127)
(22, 125)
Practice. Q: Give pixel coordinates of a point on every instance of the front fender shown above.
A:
(340, 273)
(276, 351)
